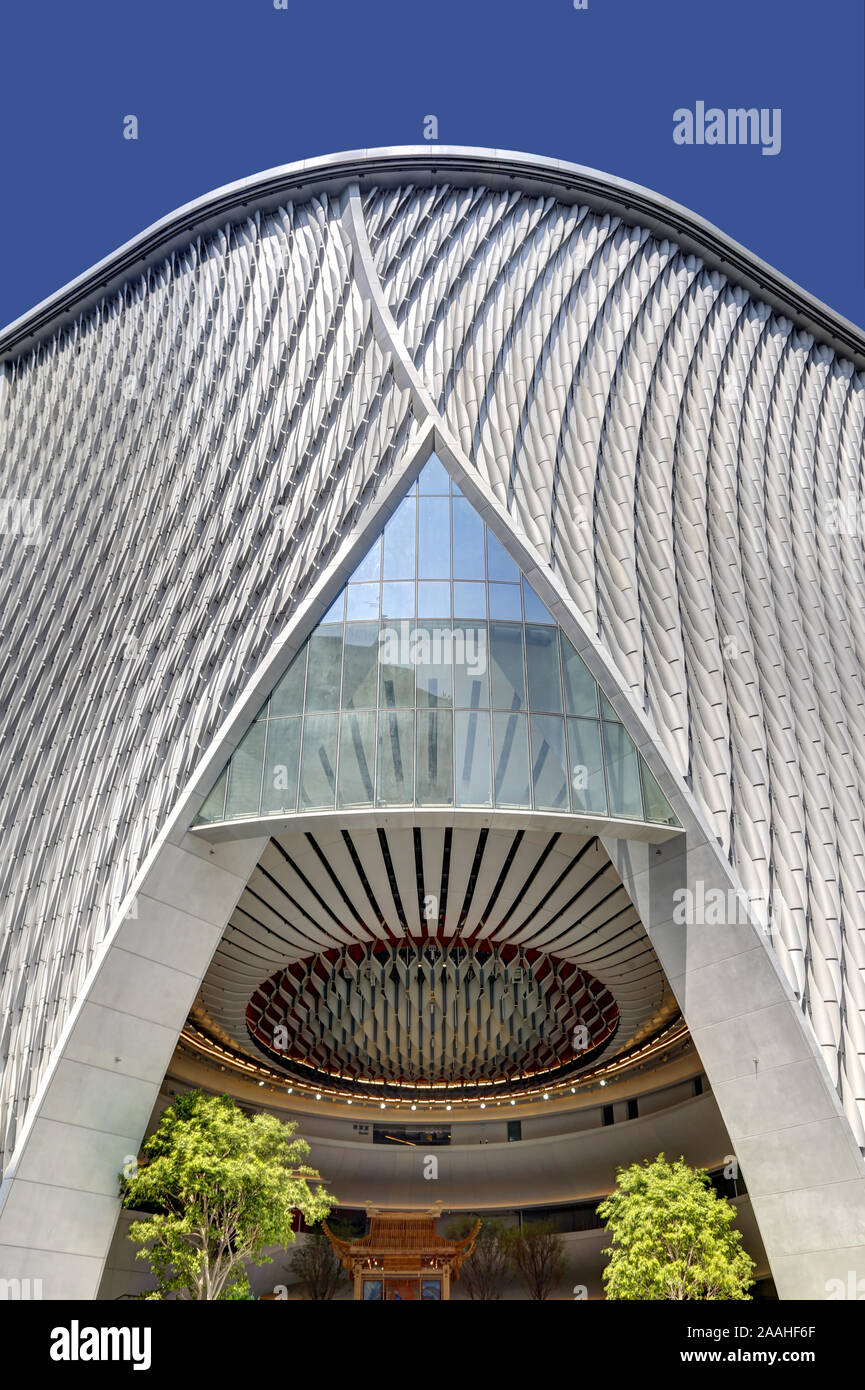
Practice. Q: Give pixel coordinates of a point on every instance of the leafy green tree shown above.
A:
(537, 1253)
(672, 1236)
(484, 1273)
(221, 1187)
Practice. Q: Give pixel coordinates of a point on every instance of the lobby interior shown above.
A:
(434, 968)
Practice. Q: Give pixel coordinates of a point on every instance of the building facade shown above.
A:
(432, 590)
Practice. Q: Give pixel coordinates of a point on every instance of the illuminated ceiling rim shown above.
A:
(215, 1053)
(552, 894)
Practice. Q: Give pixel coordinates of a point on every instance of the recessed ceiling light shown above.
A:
(546, 1095)
(349, 1102)
(261, 1083)
(447, 1107)
(414, 1107)
(381, 1107)
(603, 1082)
(483, 1105)
(318, 1095)
(513, 1102)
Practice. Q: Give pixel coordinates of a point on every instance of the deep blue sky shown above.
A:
(224, 88)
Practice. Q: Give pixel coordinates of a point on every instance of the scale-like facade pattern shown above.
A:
(676, 451)
(202, 440)
(198, 445)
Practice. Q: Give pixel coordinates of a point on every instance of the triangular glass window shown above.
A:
(437, 678)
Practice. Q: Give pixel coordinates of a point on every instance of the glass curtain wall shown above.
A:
(438, 678)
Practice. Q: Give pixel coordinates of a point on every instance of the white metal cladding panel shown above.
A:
(668, 444)
(162, 433)
(672, 447)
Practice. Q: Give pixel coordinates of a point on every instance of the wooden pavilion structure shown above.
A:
(403, 1257)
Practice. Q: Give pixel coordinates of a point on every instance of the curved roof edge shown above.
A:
(423, 165)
